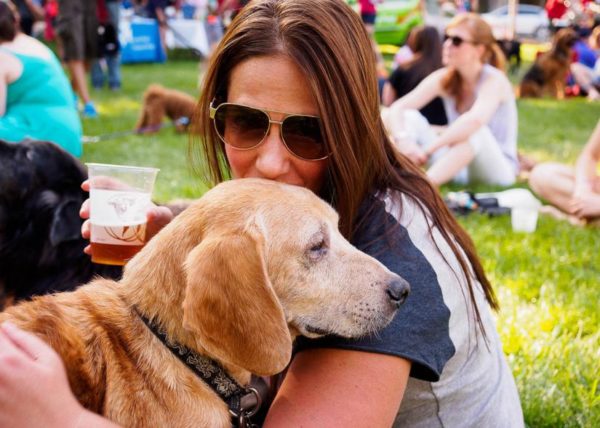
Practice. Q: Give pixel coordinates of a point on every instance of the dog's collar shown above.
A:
(214, 375)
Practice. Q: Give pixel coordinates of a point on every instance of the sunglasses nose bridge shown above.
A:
(279, 124)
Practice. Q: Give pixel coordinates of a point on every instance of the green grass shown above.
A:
(547, 282)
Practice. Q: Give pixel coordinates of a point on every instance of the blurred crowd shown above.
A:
(446, 98)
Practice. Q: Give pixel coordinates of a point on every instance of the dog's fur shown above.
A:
(548, 74)
(41, 248)
(236, 276)
(159, 102)
(512, 52)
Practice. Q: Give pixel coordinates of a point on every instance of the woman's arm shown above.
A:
(10, 70)
(389, 94)
(416, 99)
(340, 388)
(423, 93)
(4, 72)
(490, 95)
(36, 11)
(34, 390)
(2, 95)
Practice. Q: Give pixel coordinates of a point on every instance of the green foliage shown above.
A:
(547, 282)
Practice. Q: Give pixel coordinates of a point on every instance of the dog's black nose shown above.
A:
(398, 291)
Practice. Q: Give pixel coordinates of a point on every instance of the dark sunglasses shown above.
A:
(246, 127)
(456, 40)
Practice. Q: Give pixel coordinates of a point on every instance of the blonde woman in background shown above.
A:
(480, 143)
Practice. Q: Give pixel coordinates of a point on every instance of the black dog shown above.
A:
(41, 248)
(512, 52)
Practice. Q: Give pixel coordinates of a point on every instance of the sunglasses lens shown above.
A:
(302, 136)
(241, 127)
(455, 40)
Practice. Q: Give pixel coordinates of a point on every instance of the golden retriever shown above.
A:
(549, 71)
(235, 277)
(159, 102)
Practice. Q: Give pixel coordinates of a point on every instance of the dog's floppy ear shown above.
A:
(231, 306)
(66, 224)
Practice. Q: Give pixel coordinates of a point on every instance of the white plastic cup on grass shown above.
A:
(524, 219)
(119, 198)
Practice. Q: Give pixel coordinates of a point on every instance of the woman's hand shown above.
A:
(34, 390)
(411, 150)
(585, 206)
(157, 217)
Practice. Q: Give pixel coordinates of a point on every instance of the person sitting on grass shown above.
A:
(480, 142)
(36, 100)
(426, 45)
(573, 192)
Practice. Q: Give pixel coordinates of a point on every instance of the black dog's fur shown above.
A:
(512, 52)
(41, 248)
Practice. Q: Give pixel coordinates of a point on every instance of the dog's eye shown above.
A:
(318, 250)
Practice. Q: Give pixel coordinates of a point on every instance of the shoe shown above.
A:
(89, 110)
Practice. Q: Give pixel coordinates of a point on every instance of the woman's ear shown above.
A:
(231, 307)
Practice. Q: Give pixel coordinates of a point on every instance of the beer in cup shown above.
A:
(119, 198)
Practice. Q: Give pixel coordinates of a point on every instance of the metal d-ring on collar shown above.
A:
(243, 402)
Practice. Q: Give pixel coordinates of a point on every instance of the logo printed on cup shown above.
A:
(119, 199)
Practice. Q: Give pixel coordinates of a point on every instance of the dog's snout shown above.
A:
(398, 290)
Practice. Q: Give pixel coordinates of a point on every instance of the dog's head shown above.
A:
(41, 248)
(263, 262)
(564, 40)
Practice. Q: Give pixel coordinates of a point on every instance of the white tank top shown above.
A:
(503, 123)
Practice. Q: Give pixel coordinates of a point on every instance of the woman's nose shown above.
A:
(273, 159)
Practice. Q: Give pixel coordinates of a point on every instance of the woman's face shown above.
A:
(467, 52)
(273, 83)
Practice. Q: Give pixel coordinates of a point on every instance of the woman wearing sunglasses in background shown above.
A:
(480, 143)
(291, 95)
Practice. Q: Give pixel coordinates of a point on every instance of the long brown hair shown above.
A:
(9, 22)
(327, 40)
(426, 44)
(481, 33)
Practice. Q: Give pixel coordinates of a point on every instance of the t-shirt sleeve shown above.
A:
(420, 330)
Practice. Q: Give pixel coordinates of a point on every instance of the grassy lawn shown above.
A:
(548, 282)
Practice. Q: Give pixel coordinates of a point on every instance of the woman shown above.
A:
(440, 361)
(426, 45)
(480, 143)
(35, 97)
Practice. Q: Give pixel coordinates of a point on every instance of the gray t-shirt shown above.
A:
(456, 380)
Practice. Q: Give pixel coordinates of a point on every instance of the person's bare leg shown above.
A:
(554, 182)
(162, 32)
(455, 159)
(584, 78)
(78, 78)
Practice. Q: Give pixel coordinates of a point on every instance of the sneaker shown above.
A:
(89, 110)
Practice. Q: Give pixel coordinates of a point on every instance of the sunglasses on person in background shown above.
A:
(246, 127)
(456, 40)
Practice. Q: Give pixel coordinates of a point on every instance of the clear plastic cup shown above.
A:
(119, 198)
(524, 219)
